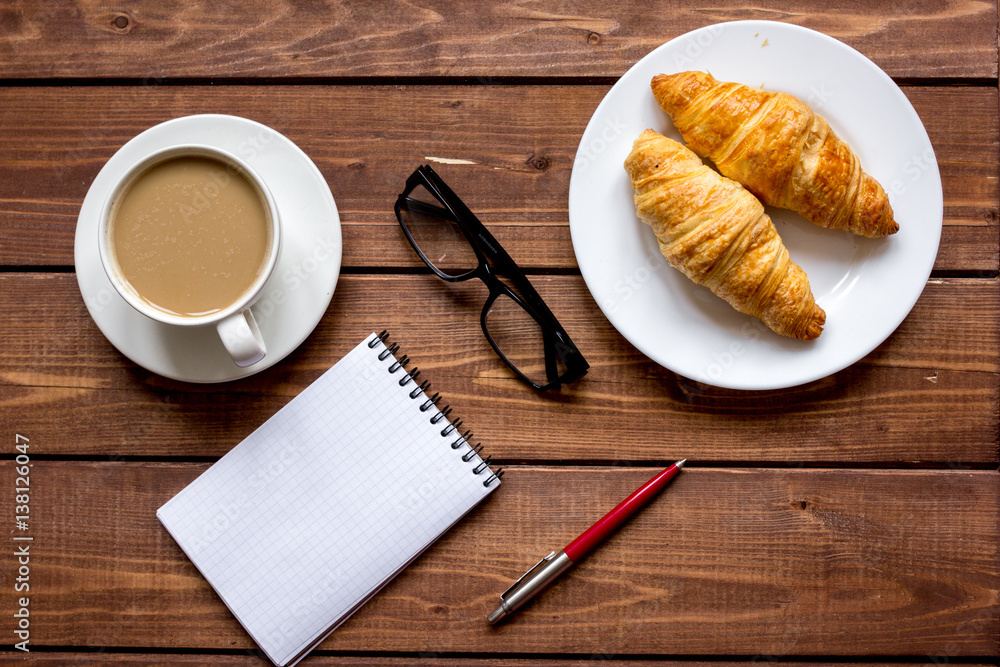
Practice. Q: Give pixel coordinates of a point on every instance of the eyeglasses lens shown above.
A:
(519, 338)
(436, 233)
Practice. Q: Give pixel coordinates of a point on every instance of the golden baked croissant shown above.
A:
(717, 234)
(778, 148)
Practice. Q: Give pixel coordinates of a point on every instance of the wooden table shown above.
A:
(855, 517)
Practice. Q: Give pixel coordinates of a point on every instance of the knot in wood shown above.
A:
(594, 38)
(539, 162)
(122, 22)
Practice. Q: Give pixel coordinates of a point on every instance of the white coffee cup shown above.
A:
(235, 324)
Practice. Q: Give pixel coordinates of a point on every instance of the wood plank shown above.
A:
(442, 38)
(367, 140)
(929, 393)
(732, 562)
(324, 658)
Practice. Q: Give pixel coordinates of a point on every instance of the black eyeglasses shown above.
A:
(456, 246)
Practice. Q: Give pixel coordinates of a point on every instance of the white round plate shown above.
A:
(866, 286)
(294, 298)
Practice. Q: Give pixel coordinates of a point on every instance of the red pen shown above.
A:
(545, 571)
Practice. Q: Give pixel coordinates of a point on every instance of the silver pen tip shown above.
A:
(497, 615)
(680, 464)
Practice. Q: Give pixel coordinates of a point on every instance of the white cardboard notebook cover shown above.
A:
(310, 516)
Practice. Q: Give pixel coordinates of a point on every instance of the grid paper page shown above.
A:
(317, 509)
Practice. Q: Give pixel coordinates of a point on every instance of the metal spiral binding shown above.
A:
(378, 339)
(461, 439)
(472, 452)
(442, 414)
(402, 361)
(450, 427)
(432, 401)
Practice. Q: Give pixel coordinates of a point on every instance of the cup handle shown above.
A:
(241, 336)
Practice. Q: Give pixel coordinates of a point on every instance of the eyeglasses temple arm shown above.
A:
(418, 206)
(505, 264)
(551, 365)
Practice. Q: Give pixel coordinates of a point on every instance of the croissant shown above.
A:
(777, 147)
(717, 234)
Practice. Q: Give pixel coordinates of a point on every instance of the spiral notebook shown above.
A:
(319, 508)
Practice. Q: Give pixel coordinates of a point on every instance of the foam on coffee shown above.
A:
(190, 235)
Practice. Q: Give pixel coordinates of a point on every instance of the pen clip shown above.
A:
(541, 563)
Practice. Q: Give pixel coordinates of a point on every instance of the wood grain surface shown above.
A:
(744, 562)
(366, 140)
(326, 658)
(855, 519)
(394, 38)
(929, 393)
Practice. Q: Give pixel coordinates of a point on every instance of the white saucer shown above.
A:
(294, 299)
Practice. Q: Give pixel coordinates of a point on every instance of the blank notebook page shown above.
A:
(302, 522)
